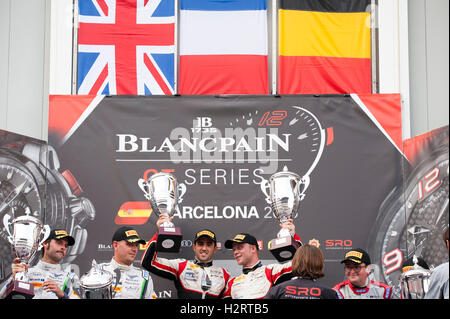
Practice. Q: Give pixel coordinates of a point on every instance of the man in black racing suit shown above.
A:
(195, 279)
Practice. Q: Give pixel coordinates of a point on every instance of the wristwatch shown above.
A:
(31, 183)
(412, 219)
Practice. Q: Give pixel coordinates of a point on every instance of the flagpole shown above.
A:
(274, 47)
(75, 47)
(374, 45)
(176, 53)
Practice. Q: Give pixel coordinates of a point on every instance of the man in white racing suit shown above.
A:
(256, 279)
(130, 282)
(49, 278)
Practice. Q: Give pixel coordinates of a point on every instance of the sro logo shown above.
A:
(305, 291)
(338, 243)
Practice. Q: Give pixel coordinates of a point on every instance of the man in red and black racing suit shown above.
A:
(195, 279)
(257, 278)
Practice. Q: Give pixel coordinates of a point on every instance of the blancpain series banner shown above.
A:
(366, 188)
(221, 150)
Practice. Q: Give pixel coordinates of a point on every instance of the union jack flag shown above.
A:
(126, 47)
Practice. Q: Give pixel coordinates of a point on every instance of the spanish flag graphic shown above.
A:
(324, 47)
(133, 213)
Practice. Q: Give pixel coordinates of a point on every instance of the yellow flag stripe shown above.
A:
(329, 34)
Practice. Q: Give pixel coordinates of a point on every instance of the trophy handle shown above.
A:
(144, 187)
(265, 189)
(303, 186)
(6, 223)
(181, 191)
(46, 231)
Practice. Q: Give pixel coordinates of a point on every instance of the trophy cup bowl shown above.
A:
(414, 283)
(97, 283)
(25, 242)
(286, 191)
(162, 190)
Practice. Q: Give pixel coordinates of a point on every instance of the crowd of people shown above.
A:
(199, 278)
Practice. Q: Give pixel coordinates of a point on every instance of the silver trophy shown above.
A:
(286, 190)
(26, 239)
(414, 283)
(97, 283)
(163, 191)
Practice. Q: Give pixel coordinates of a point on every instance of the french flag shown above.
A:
(223, 47)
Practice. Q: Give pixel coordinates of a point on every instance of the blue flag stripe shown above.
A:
(85, 62)
(223, 5)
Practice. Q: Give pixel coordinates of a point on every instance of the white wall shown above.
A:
(61, 29)
(393, 55)
(24, 65)
(429, 64)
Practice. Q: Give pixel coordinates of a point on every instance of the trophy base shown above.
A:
(19, 290)
(283, 248)
(169, 240)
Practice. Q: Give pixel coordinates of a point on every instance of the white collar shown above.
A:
(49, 265)
(115, 264)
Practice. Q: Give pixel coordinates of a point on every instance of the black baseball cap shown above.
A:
(409, 264)
(59, 233)
(128, 234)
(207, 233)
(358, 256)
(242, 238)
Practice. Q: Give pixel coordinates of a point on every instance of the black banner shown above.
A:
(222, 149)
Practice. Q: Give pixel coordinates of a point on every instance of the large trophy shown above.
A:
(162, 190)
(97, 283)
(414, 283)
(286, 190)
(25, 242)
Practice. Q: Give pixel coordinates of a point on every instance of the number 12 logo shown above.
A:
(272, 118)
(431, 182)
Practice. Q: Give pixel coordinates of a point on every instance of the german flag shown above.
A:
(324, 47)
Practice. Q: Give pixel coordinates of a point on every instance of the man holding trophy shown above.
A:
(48, 278)
(256, 278)
(197, 279)
(286, 190)
(130, 281)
